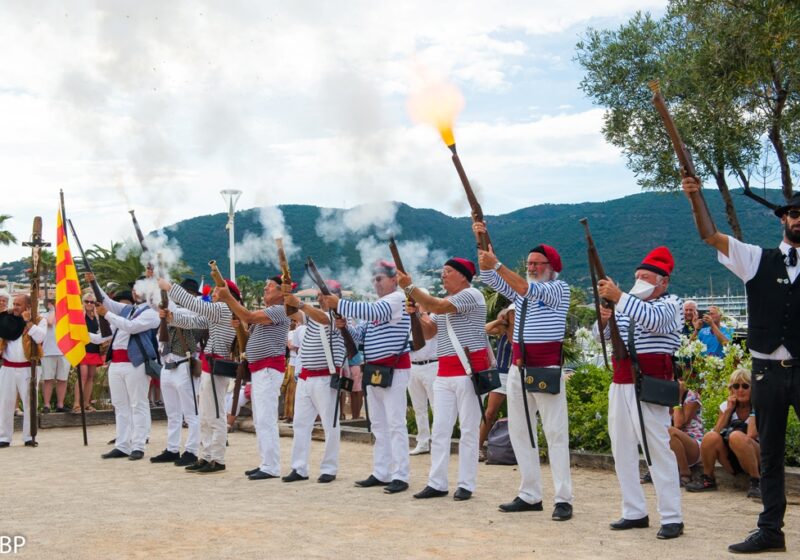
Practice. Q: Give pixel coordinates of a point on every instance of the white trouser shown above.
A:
(265, 392)
(314, 396)
(128, 386)
(12, 381)
(553, 411)
(454, 397)
(625, 432)
(420, 388)
(239, 404)
(213, 430)
(180, 404)
(387, 415)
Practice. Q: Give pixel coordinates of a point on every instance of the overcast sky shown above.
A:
(157, 106)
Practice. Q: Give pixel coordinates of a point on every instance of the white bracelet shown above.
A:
(408, 289)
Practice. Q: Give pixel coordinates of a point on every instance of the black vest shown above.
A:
(773, 307)
(94, 327)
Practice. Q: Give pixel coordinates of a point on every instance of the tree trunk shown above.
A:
(774, 134)
(730, 211)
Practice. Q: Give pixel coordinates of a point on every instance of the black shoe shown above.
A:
(562, 511)
(293, 477)
(196, 466)
(61, 409)
(754, 491)
(369, 482)
(114, 454)
(326, 478)
(759, 541)
(112, 441)
(211, 468)
(461, 494)
(46, 410)
(252, 471)
(518, 504)
(429, 492)
(4, 444)
(31, 443)
(188, 458)
(670, 531)
(705, 484)
(136, 455)
(260, 475)
(625, 524)
(396, 486)
(166, 457)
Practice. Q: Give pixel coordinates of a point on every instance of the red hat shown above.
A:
(206, 289)
(334, 286)
(279, 281)
(384, 267)
(552, 255)
(659, 260)
(234, 289)
(464, 266)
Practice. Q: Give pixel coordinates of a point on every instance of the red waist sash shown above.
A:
(404, 362)
(119, 356)
(655, 365)
(16, 364)
(204, 361)
(538, 354)
(450, 366)
(272, 362)
(306, 373)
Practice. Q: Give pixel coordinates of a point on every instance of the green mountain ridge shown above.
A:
(624, 230)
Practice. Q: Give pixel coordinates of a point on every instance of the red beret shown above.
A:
(234, 289)
(464, 266)
(552, 255)
(659, 260)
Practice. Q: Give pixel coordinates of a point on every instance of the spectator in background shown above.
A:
(503, 327)
(689, 316)
(686, 432)
(734, 439)
(356, 396)
(3, 301)
(55, 367)
(424, 365)
(714, 335)
(88, 367)
(295, 337)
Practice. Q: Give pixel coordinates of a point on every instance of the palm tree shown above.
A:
(124, 272)
(6, 237)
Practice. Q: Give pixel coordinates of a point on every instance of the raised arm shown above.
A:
(717, 240)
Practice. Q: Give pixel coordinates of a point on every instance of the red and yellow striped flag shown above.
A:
(72, 336)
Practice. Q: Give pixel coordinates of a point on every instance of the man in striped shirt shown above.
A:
(266, 358)
(461, 316)
(215, 316)
(545, 301)
(384, 334)
(658, 319)
(322, 354)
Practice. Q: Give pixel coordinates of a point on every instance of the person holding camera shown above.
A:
(734, 439)
(709, 330)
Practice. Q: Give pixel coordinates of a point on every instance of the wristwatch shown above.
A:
(497, 266)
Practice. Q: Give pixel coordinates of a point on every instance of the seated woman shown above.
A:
(734, 439)
(686, 432)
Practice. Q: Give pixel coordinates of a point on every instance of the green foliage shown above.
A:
(6, 237)
(587, 402)
(109, 268)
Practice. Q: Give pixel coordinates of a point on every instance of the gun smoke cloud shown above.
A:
(260, 247)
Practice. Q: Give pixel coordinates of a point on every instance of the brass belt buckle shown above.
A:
(787, 365)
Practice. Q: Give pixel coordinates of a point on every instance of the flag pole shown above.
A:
(79, 380)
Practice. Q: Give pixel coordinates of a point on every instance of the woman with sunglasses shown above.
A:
(734, 439)
(88, 367)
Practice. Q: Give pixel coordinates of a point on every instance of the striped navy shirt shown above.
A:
(312, 354)
(658, 323)
(385, 326)
(548, 303)
(467, 322)
(216, 317)
(270, 339)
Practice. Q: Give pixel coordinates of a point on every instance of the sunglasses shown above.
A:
(90, 302)
(793, 214)
(378, 278)
(736, 386)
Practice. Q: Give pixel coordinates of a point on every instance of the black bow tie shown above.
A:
(791, 257)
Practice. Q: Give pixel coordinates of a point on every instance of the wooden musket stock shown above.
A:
(417, 336)
(286, 275)
(476, 211)
(316, 277)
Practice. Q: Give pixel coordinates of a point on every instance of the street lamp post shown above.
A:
(231, 196)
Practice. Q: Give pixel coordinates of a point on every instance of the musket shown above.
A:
(241, 341)
(286, 275)
(702, 217)
(417, 336)
(316, 277)
(105, 327)
(163, 330)
(475, 208)
(140, 236)
(35, 357)
(618, 348)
